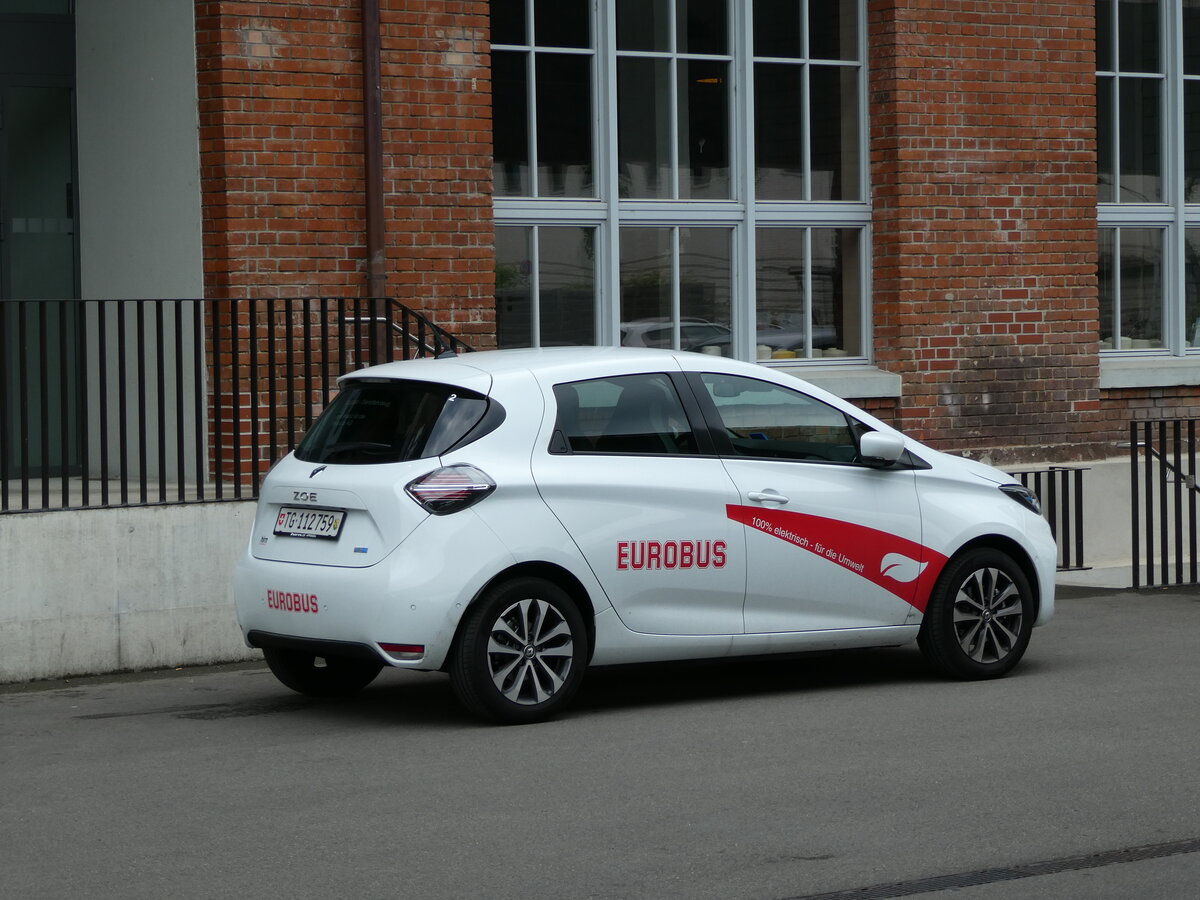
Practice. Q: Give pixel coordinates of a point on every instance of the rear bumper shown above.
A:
(314, 646)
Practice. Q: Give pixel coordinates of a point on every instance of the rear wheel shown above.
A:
(521, 653)
(316, 676)
(979, 617)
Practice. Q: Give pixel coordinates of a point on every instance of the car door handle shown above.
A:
(768, 496)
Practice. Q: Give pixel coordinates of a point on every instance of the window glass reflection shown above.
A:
(1105, 267)
(777, 29)
(1105, 177)
(510, 123)
(702, 27)
(837, 292)
(565, 283)
(1141, 140)
(835, 143)
(514, 299)
(1131, 288)
(1138, 36)
(646, 288)
(778, 131)
(704, 130)
(1104, 45)
(1191, 37)
(562, 23)
(508, 22)
(567, 286)
(834, 306)
(1191, 141)
(644, 25)
(643, 127)
(564, 120)
(781, 308)
(833, 29)
(705, 276)
(1191, 285)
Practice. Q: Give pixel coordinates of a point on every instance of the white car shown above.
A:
(659, 332)
(514, 517)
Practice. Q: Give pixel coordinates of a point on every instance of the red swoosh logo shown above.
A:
(867, 552)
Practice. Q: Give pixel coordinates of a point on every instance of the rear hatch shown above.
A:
(339, 499)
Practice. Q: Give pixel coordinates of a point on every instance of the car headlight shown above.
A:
(1024, 496)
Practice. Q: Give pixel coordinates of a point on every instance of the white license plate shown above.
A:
(295, 521)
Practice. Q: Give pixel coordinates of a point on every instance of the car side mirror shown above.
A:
(878, 449)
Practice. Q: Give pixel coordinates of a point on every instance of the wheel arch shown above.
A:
(548, 571)
(1012, 549)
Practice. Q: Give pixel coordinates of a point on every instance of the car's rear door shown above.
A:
(830, 543)
(644, 497)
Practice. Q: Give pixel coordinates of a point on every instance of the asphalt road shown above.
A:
(851, 775)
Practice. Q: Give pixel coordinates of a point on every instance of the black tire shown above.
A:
(330, 676)
(521, 653)
(979, 617)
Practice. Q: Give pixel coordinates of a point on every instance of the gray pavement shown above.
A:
(756, 779)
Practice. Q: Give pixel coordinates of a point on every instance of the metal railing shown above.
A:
(108, 403)
(1162, 460)
(1060, 490)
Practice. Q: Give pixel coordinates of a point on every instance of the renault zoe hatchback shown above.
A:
(514, 517)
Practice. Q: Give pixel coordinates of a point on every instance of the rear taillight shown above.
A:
(450, 488)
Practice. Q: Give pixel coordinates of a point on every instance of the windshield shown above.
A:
(391, 421)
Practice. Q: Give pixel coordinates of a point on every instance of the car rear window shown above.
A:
(391, 421)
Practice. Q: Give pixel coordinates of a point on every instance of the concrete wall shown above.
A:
(139, 152)
(108, 590)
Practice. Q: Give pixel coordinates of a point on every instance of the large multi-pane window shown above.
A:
(682, 173)
(1148, 161)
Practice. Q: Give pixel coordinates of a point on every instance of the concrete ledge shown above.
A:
(849, 382)
(1149, 371)
(91, 591)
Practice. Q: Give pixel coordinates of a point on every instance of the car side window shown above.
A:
(626, 414)
(766, 420)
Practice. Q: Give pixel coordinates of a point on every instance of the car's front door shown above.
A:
(830, 543)
(625, 474)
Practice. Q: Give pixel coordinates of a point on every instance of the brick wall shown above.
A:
(282, 165)
(983, 172)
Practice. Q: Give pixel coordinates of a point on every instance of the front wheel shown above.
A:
(521, 653)
(316, 676)
(979, 617)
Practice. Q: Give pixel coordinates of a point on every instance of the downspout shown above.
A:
(373, 150)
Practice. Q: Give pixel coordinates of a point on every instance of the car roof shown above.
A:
(552, 365)
(545, 361)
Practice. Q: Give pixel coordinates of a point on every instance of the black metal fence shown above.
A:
(107, 403)
(1060, 490)
(1162, 460)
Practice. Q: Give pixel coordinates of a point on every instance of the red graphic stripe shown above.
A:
(898, 565)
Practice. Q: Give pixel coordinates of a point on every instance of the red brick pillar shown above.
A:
(984, 190)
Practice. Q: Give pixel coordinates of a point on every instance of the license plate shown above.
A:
(309, 523)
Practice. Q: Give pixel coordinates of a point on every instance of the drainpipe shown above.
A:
(373, 150)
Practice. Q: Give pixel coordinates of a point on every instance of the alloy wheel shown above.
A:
(988, 615)
(530, 652)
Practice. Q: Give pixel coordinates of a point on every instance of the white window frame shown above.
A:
(607, 212)
(1174, 362)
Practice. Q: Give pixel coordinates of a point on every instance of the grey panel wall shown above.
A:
(139, 159)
